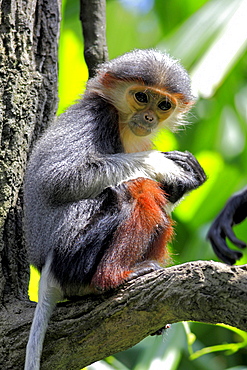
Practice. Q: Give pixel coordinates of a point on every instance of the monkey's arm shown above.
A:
(234, 212)
(85, 177)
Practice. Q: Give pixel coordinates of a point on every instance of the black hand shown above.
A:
(233, 213)
(192, 177)
(189, 163)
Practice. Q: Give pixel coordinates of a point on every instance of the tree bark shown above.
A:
(28, 100)
(94, 327)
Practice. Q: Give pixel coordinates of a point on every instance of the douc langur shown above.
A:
(234, 212)
(97, 196)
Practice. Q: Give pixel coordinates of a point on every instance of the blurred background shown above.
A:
(210, 40)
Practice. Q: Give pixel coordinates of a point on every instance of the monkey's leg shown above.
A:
(139, 242)
(49, 295)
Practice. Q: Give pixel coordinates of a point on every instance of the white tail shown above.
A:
(49, 294)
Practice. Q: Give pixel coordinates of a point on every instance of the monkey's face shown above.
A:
(148, 107)
(142, 109)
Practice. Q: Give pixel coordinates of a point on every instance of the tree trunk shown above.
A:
(28, 100)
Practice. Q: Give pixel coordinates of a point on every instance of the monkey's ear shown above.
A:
(108, 79)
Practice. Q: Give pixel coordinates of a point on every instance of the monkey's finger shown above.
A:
(232, 237)
(176, 155)
(221, 249)
(225, 253)
(183, 156)
(185, 159)
(197, 168)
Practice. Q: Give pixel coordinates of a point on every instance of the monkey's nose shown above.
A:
(148, 116)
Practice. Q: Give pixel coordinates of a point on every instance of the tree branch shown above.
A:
(92, 16)
(94, 327)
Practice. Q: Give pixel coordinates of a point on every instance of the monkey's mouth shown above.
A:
(139, 129)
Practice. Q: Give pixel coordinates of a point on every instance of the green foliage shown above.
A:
(230, 348)
(210, 38)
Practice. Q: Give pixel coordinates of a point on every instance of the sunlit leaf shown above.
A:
(232, 138)
(33, 284)
(223, 53)
(73, 72)
(192, 39)
(165, 141)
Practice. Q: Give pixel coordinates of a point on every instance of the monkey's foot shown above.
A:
(144, 268)
(111, 277)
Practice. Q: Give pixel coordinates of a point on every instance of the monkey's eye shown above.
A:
(164, 105)
(141, 97)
